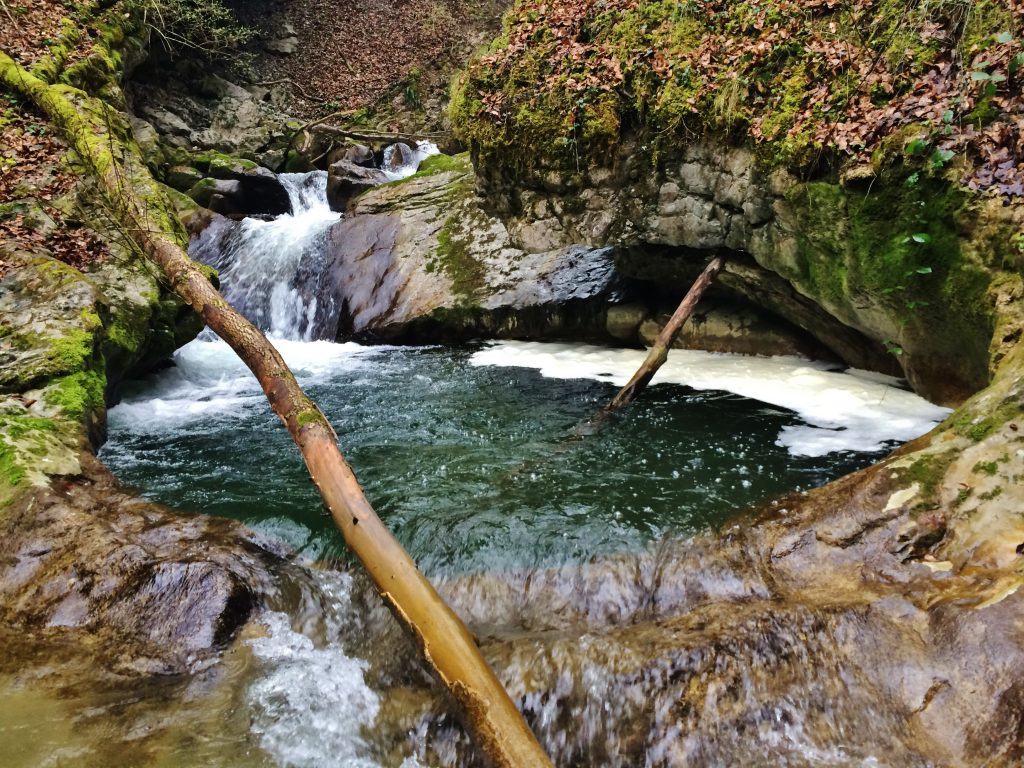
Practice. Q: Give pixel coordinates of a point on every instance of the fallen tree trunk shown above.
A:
(103, 141)
(659, 352)
(380, 136)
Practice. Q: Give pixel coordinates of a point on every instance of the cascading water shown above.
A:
(401, 160)
(277, 272)
(272, 271)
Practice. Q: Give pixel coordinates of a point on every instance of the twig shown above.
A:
(321, 120)
(383, 135)
(295, 85)
(323, 154)
(8, 12)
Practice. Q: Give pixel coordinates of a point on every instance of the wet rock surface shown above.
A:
(347, 178)
(833, 249)
(242, 192)
(151, 591)
(145, 590)
(417, 260)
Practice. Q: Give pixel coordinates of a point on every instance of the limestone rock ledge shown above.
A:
(885, 265)
(143, 589)
(420, 259)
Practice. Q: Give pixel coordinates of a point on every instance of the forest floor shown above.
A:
(37, 202)
(39, 209)
(392, 60)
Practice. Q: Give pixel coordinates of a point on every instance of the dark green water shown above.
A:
(469, 466)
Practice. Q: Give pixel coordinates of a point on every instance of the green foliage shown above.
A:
(411, 91)
(206, 27)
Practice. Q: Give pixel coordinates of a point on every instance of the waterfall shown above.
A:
(275, 272)
(272, 271)
(401, 161)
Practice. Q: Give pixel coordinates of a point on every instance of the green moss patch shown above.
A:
(928, 472)
(434, 164)
(898, 249)
(77, 396)
(566, 81)
(31, 449)
(454, 258)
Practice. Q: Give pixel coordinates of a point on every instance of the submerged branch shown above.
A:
(659, 352)
(104, 142)
(657, 355)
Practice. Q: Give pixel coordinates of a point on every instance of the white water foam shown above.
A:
(209, 382)
(310, 704)
(843, 411)
(265, 262)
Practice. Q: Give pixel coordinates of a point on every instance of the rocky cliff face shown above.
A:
(921, 275)
(419, 259)
(422, 259)
(902, 279)
(844, 151)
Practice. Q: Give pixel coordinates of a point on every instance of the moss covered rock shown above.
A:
(749, 128)
(68, 340)
(906, 271)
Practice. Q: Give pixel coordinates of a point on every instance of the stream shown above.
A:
(465, 453)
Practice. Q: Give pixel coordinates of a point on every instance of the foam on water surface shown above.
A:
(309, 704)
(209, 383)
(843, 410)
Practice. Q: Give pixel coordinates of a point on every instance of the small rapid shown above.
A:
(309, 704)
(273, 271)
(277, 272)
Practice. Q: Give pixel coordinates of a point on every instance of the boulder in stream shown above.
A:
(347, 178)
(419, 261)
(147, 589)
(243, 192)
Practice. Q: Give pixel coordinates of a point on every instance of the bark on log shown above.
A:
(102, 140)
(659, 352)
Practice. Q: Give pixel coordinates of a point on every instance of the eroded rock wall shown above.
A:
(913, 270)
(419, 260)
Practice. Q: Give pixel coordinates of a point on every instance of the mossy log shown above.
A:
(102, 139)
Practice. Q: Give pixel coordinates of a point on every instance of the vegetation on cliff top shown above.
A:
(803, 82)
